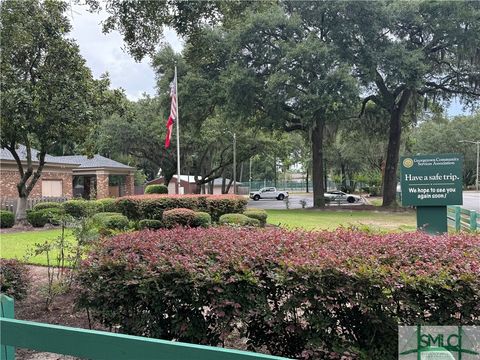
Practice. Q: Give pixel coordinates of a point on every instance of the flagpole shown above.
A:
(178, 134)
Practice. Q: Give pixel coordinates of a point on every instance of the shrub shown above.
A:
(47, 205)
(150, 224)
(260, 215)
(13, 279)
(202, 219)
(238, 219)
(106, 205)
(38, 218)
(79, 208)
(156, 189)
(110, 221)
(178, 217)
(7, 219)
(152, 206)
(294, 293)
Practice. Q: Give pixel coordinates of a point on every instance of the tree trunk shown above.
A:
(21, 214)
(391, 164)
(227, 190)
(317, 164)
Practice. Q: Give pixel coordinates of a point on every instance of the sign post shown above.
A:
(431, 182)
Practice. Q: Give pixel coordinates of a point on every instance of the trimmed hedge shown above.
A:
(259, 214)
(79, 208)
(150, 224)
(141, 207)
(105, 205)
(178, 217)
(310, 295)
(39, 218)
(238, 219)
(202, 219)
(47, 205)
(156, 189)
(110, 221)
(13, 279)
(7, 219)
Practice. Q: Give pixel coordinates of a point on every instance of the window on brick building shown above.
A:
(52, 188)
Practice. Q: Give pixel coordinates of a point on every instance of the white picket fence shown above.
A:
(11, 204)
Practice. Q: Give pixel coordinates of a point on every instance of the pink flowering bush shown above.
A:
(299, 294)
(152, 206)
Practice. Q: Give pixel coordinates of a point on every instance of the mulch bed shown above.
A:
(20, 228)
(62, 312)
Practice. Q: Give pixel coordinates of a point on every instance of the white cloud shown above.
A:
(105, 53)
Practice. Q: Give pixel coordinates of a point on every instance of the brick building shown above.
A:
(68, 176)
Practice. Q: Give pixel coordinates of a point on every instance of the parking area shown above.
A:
(295, 202)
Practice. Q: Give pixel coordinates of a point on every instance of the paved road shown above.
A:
(471, 201)
(294, 202)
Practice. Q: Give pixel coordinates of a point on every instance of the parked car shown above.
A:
(268, 193)
(341, 196)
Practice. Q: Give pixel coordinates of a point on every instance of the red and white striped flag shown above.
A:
(173, 112)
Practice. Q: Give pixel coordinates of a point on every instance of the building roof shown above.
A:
(97, 161)
(79, 161)
(22, 154)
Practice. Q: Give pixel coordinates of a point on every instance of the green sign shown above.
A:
(431, 180)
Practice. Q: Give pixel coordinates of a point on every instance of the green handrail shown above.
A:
(460, 218)
(94, 344)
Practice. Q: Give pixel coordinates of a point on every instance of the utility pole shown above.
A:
(477, 142)
(234, 163)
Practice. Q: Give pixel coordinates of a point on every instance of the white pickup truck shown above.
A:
(268, 193)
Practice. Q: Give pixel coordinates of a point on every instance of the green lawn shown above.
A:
(17, 245)
(313, 219)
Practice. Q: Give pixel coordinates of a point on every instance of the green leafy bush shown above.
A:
(298, 294)
(110, 221)
(13, 279)
(202, 219)
(38, 218)
(150, 224)
(178, 217)
(156, 189)
(259, 214)
(106, 205)
(7, 219)
(238, 219)
(79, 208)
(47, 205)
(152, 206)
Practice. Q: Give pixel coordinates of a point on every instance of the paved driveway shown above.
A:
(471, 200)
(294, 202)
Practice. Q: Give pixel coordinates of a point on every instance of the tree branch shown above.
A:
(365, 101)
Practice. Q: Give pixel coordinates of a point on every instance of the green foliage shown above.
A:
(178, 217)
(156, 189)
(150, 224)
(110, 221)
(105, 205)
(7, 219)
(49, 96)
(47, 205)
(79, 208)
(259, 214)
(38, 218)
(13, 279)
(202, 219)
(152, 206)
(238, 219)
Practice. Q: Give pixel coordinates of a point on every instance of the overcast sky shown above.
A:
(104, 53)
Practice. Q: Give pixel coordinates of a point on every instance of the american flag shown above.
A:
(173, 112)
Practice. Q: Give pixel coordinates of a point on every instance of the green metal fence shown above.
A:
(463, 219)
(93, 344)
